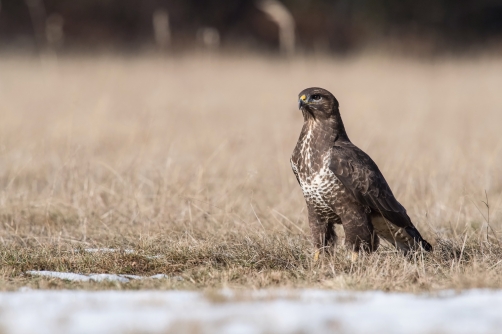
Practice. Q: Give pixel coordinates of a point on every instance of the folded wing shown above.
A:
(361, 176)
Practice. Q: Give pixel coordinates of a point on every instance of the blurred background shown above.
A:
(290, 26)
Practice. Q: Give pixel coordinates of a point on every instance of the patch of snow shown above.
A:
(55, 274)
(162, 276)
(114, 250)
(134, 276)
(108, 277)
(96, 277)
(107, 250)
(264, 311)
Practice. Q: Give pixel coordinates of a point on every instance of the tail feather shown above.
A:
(403, 238)
(413, 232)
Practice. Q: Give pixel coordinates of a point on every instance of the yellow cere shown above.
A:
(303, 98)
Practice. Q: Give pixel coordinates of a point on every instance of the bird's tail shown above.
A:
(413, 232)
(403, 238)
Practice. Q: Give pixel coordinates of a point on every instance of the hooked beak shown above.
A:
(302, 101)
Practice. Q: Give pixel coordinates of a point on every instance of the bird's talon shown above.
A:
(316, 255)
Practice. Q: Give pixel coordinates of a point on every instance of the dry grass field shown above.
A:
(185, 161)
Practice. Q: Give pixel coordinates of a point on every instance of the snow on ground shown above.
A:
(115, 250)
(95, 277)
(265, 311)
(108, 250)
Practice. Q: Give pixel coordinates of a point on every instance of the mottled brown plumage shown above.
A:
(342, 185)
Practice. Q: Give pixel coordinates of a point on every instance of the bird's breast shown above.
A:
(319, 184)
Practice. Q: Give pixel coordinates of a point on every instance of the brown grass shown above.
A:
(188, 158)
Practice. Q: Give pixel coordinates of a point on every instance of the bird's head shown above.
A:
(317, 103)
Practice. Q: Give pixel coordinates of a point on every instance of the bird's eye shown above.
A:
(316, 97)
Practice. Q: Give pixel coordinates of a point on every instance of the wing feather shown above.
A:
(361, 176)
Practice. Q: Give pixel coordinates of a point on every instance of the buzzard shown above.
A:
(342, 185)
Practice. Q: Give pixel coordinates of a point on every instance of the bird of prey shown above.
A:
(342, 185)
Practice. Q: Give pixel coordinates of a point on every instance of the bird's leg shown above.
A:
(317, 231)
(323, 233)
(359, 232)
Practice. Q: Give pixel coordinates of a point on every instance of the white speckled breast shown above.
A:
(319, 186)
